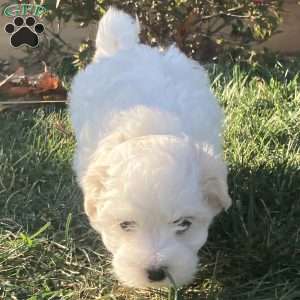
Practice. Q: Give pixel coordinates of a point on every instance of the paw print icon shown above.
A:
(24, 31)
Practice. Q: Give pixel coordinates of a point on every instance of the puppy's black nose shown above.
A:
(156, 274)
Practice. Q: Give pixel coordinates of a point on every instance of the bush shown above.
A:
(203, 29)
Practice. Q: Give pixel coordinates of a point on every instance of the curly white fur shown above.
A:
(149, 153)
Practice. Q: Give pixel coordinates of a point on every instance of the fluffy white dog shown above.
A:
(149, 154)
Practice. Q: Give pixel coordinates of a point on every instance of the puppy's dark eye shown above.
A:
(128, 225)
(182, 225)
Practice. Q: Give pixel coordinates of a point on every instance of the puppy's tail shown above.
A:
(116, 31)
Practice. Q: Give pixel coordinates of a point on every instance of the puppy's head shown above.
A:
(152, 200)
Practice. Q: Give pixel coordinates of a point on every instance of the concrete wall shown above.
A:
(288, 41)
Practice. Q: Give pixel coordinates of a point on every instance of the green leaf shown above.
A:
(26, 239)
(40, 231)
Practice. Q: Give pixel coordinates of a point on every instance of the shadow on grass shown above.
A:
(253, 250)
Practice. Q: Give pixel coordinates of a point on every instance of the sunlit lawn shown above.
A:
(48, 250)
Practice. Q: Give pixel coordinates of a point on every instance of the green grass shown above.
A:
(48, 250)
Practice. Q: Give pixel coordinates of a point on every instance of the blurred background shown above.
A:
(249, 32)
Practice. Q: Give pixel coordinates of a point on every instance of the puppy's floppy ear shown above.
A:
(93, 179)
(214, 182)
(92, 186)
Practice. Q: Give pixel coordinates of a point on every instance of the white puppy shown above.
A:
(149, 154)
